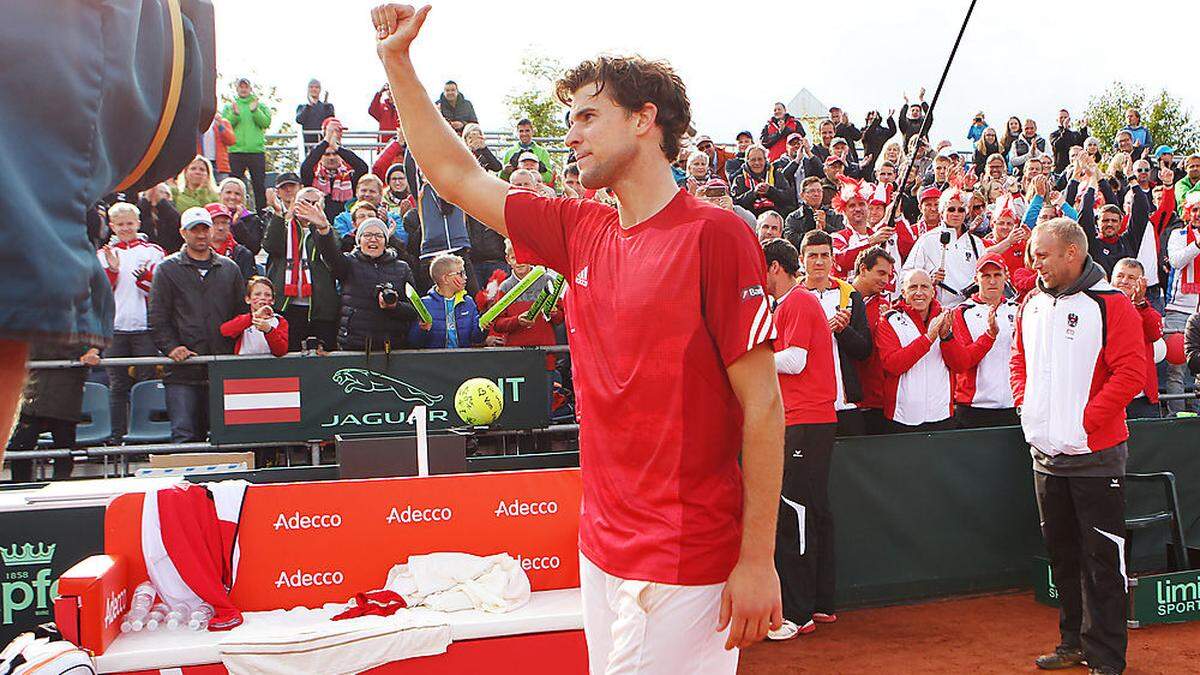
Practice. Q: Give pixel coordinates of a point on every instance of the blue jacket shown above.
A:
(466, 321)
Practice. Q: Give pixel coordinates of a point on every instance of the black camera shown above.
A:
(387, 293)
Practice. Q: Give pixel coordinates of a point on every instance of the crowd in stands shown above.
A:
(920, 302)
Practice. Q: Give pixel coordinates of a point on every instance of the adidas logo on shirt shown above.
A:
(581, 278)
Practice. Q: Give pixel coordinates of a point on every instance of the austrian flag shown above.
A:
(262, 400)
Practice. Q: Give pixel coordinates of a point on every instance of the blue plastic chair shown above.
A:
(148, 422)
(96, 425)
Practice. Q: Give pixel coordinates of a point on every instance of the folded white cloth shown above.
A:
(449, 582)
(303, 640)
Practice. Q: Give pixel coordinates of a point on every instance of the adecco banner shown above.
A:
(314, 398)
(312, 543)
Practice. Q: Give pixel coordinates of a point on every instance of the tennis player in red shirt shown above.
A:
(675, 379)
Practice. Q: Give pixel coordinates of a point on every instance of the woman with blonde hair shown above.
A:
(195, 185)
(987, 145)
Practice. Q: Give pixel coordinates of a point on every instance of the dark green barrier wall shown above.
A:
(923, 515)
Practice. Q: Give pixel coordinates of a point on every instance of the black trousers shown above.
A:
(1083, 523)
(121, 379)
(970, 417)
(299, 328)
(850, 423)
(874, 422)
(804, 535)
(256, 164)
(25, 437)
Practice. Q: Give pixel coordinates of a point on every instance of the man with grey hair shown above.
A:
(1080, 341)
(770, 226)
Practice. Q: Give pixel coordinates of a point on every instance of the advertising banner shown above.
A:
(313, 543)
(36, 546)
(315, 398)
(1166, 598)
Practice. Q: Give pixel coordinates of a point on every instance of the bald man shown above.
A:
(1080, 340)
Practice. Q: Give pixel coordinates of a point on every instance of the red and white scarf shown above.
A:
(337, 184)
(226, 247)
(297, 282)
(1189, 281)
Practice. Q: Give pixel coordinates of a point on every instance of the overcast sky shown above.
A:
(1018, 57)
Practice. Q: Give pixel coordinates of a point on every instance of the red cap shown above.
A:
(834, 159)
(990, 259)
(715, 183)
(218, 209)
(930, 193)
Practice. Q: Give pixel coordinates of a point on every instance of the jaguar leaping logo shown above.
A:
(360, 379)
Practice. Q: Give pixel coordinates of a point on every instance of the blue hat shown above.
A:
(1163, 150)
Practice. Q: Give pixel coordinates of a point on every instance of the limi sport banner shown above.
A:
(317, 397)
(1166, 598)
(36, 546)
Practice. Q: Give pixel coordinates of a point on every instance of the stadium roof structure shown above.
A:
(807, 106)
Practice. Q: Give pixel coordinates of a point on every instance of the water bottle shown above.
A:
(139, 608)
(143, 597)
(156, 616)
(200, 618)
(177, 616)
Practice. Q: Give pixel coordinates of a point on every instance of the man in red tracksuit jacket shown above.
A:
(873, 271)
(1080, 342)
(1129, 277)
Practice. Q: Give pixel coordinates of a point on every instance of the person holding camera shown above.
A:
(375, 312)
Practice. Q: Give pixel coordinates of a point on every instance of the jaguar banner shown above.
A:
(318, 397)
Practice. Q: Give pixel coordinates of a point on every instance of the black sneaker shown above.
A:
(1060, 658)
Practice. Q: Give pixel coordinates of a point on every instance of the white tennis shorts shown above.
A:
(644, 628)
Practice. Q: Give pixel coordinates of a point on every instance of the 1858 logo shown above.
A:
(27, 579)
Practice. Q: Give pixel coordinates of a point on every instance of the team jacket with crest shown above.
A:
(1078, 359)
(985, 382)
(917, 383)
(131, 283)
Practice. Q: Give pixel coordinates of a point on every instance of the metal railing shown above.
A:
(368, 144)
(124, 451)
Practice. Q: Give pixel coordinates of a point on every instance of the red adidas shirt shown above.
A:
(808, 396)
(655, 314)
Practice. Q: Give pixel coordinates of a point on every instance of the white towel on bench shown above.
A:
(449, 582)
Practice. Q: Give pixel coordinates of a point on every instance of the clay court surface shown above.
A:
(992, 634)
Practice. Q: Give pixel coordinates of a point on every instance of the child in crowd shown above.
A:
(259, 331)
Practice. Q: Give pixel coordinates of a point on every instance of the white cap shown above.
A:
(195, 216)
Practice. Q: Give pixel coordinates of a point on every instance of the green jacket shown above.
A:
(542, 154)
(186, 199)
(325, 304)
(1183, 188)
(249, 126)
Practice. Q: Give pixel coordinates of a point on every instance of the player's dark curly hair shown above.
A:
(633, 81)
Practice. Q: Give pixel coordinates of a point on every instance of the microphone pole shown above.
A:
(929, 115)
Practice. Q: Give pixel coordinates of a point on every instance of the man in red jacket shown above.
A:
(1129, 277)
(874, 270)
(1081, 342)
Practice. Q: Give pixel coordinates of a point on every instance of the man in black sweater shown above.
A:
(310, 114)
(194, 291)
(1063, 138)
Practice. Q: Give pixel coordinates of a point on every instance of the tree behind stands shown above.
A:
(1165, 115)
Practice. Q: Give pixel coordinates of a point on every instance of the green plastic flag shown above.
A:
(417, 304)
(511, 296)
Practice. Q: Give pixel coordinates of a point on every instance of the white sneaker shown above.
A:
(787, 631)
